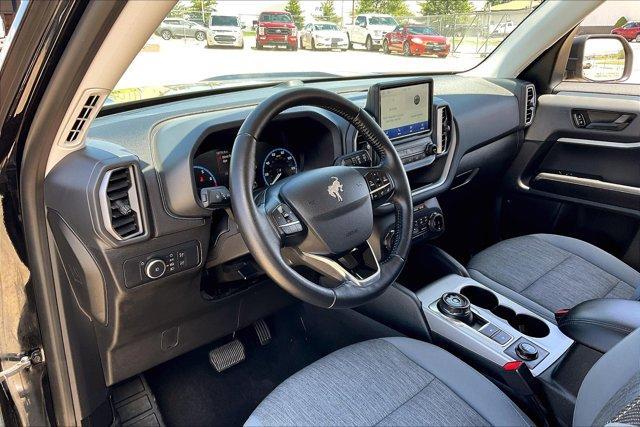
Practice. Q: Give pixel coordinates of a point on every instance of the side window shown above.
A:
(607, 47)
(360, 20)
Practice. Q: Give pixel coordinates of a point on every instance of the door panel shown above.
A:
(576, 179)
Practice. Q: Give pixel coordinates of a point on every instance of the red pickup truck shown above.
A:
(415, 40)
(630, 31)
(276, 29)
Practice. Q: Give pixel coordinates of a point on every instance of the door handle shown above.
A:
(606, 120)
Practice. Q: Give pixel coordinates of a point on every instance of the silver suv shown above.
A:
(177, 27)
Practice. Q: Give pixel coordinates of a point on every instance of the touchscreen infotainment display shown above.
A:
(405, 110)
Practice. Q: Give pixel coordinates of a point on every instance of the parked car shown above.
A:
(176, 27)
(276, 29)
(369, 30)
(502, 28)
(630, 31)
(416, 40)
(323, 35)
(225, 30)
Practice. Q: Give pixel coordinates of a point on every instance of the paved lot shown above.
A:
(186, 61)
(181, 61)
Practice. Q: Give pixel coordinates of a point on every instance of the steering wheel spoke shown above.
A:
(359, 267)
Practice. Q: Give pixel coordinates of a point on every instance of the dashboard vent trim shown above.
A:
(529, 104)
(83, 114)
(120, 203)
(444, 124)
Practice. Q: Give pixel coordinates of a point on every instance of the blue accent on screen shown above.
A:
(407, 129)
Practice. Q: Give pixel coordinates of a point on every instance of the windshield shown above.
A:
(328, 27)
(224, 21)
(178, 60)
(424, 31)
(275, 17)
(382, 20)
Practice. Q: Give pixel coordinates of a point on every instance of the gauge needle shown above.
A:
(276, 178)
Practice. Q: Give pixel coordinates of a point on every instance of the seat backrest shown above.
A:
(610, 393)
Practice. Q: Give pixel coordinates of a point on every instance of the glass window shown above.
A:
(270, 49)
(424, 31)
(224, 21)
(603, 60)
(327, 27)
(275, 17)
(382, 20)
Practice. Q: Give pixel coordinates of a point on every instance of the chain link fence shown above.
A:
(469, 33)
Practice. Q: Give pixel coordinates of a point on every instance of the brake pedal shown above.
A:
(263, 332)
(226, 356)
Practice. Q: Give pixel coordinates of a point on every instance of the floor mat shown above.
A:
(190, 392)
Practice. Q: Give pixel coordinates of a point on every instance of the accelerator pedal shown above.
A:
(263, 332)
(226, 356)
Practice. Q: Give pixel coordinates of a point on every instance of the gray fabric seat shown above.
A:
(547, 272)
(400, 381)
(391, 381)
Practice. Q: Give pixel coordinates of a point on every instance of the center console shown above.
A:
(475, 317)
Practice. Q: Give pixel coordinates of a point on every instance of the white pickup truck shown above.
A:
(369, 30)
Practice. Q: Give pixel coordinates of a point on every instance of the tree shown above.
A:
(389, 7)
(445, 7)
(294, 8)
(328, 12)
(495, 2)
(202, 9)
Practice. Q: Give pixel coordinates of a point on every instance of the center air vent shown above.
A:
(443, 129)
(530, 104)
(120, 203)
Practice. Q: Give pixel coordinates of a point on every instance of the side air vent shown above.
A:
(79, 120)
(530, 104)
(121, 203)
(443, 129)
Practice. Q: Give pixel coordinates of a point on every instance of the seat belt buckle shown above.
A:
(518, 377)
(560, 313)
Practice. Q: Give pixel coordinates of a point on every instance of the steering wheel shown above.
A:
(321, 219)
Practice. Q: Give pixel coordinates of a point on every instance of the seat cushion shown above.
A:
(547, 272)
(391, 381)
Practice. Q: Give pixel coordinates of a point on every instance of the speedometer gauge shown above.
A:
(203, 177)
(279, 163)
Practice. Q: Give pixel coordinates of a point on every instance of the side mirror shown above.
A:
(600, 58)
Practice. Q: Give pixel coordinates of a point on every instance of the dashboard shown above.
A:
(170, 251)
(286, 148)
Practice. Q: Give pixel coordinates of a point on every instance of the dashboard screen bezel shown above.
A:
(373, 106)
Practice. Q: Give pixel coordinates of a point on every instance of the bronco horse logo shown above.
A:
(335, 188)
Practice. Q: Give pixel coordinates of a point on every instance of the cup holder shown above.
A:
(480, 297)
(530, 326)
(504, 313)
(527, 325)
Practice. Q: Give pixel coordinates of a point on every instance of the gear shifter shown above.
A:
(456, 306)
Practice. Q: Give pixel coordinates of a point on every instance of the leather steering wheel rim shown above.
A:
(258, 231)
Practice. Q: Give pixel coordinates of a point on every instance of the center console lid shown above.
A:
(601, 323)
